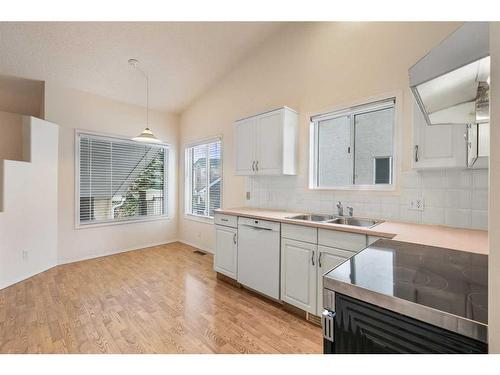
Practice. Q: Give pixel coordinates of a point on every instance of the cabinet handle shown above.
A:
(416, 153)
(257, 165)
(319, 259)
(253, 166)
(312, 258)
(234, 238)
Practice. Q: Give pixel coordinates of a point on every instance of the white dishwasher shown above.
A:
(259, 255)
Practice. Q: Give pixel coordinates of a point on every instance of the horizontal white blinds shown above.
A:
(120, 179)
(205, 171)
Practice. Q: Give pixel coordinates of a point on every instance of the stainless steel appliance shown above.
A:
(451, 82)
(396, 297)
(451, 86)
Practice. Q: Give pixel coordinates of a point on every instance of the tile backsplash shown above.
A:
(457, 198)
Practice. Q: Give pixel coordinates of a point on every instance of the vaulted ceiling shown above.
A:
(182, 58)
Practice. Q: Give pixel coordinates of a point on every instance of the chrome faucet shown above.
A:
(350, 211)
(340, 208)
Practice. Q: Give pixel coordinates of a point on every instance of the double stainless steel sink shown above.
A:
(331, 219)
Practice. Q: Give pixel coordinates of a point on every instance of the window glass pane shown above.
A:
(334, 154)
(199, 180)
(120, 180)
(354, 145)
(373, 139)
(141, 192)
(204, 192)
(214, 150)
(382, 170)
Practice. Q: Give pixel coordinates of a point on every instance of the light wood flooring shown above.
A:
(164, 299)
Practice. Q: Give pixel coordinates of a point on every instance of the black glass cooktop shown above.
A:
(451, 281)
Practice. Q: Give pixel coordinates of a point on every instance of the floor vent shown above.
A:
(199, 252)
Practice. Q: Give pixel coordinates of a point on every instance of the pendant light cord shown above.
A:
(135, 64)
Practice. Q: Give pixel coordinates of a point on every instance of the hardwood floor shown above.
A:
(164, 299)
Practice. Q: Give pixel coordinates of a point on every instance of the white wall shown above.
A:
(313, 68)
(23, 96)
(71, 110)
(494, 233)
(28, 217)
(11, 141)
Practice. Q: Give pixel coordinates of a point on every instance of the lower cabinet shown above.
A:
(302, 268)
(299, 274)
(328, 258)
(226, 254)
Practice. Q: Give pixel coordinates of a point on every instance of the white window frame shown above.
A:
(188, 174)
(166, 181)
(365, 106)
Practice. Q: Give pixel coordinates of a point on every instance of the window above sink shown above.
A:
(354, 148)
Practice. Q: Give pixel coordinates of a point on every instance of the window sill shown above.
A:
(380, 187)
(200, 219)
(121, 222)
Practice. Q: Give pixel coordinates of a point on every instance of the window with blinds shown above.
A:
(204, 178)
(120, 179)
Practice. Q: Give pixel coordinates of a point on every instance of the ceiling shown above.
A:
(182, 58)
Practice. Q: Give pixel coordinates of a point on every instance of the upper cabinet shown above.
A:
(442, 146)
(451, 85)
(266, 144)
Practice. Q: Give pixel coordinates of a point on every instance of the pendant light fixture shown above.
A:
(147, 135)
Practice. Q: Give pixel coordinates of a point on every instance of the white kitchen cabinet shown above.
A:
(299, 274)
(328, 259)
(244, 144)
(226, 251)
(299, 233)
(342, 240)
(437, 146)
(266, 144)
(371, 239)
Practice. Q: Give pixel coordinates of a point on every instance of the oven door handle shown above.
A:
(327, 324)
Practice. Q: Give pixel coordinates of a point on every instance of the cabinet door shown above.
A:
(244, 147)
(328, 259)
(226, 251)
(298, 274)
(269, 143)
(437, 146)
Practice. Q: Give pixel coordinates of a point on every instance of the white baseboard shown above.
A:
(26, 276)
(204, 248)
(93, 256)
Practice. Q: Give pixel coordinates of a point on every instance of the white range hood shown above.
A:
(451, 83)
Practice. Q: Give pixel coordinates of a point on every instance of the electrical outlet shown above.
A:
(416, 204)
(248, 195)
(25, 254)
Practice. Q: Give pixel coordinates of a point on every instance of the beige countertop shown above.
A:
(475, 241)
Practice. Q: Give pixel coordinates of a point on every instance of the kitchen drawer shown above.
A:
(227, 220)
(342, 240)
(299, 233)
(263, 224)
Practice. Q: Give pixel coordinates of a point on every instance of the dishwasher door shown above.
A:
(259, 256)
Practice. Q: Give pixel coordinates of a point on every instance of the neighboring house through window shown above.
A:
(353, 148)
(203, 178)
(120, 180)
